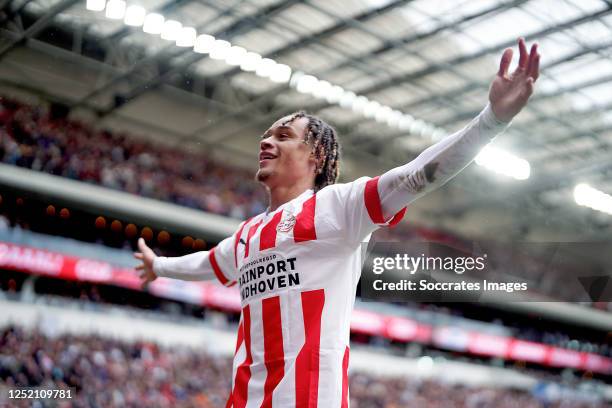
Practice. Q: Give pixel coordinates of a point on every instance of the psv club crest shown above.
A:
(286, 224)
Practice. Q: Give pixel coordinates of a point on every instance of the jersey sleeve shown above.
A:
(218, 263)
(368, 203)
(359, 209)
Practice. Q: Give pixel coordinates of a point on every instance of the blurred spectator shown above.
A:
(109, 373)
(112, 373)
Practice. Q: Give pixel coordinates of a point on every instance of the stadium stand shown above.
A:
(166, 362)
(32, 138)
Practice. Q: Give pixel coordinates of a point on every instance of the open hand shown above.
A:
(509, 92)
(146, 255)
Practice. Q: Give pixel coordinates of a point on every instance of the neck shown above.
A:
(281, 194)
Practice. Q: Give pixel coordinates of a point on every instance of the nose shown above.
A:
(265, 144)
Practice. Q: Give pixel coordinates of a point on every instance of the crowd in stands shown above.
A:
(31, 137)
(111, 373)
(108, 373)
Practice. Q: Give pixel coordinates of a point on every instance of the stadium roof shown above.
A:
(423, 68)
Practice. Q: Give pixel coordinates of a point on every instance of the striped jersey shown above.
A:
(297, 270)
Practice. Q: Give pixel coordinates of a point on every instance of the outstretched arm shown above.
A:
(188, 267)
(202, 265)
(439, 163)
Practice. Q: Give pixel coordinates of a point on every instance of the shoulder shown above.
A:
(354, 192)
(242, 227)
(343, 189)
(250, 221)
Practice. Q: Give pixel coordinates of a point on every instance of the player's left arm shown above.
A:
(439, 163)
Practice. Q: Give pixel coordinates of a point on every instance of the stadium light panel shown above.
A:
(581, 193)
(134, 16)
(171, 30)
(394, 118)
(322, 89)
(115, 9)
(417, 127)
(204, 44)
(306, 84)
(334, 94)
(265, 67)
(235, 55)
(382, 114)
(504, 163)
(428, 130)
(96, 5)
(359, 104)
(153, 23)
(588, 196)
(250, 62)
(405, 122)
(371, 109)
(438, 134)
(281, 73)
(219, 49)
(347, 98)
(186, 37)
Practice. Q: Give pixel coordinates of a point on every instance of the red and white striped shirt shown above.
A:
(297, 270)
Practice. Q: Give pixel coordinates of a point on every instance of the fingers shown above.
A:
(533, 68)
(145, 276)
(523, 56)
(532, 55)
(505, 62)
(528, 88)
(534, 71)
(142, 245)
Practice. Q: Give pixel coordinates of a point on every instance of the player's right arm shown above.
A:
(203, 265)
(369, 203)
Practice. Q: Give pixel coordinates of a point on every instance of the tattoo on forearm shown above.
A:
(412, 182)
(430, 171)
(435, 166)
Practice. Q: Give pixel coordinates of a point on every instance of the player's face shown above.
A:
(284, 157)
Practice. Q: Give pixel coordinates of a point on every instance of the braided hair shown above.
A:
(324, 141)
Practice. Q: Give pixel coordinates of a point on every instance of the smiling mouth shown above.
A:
(266, 156)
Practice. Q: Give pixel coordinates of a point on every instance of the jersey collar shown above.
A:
(306, 193)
